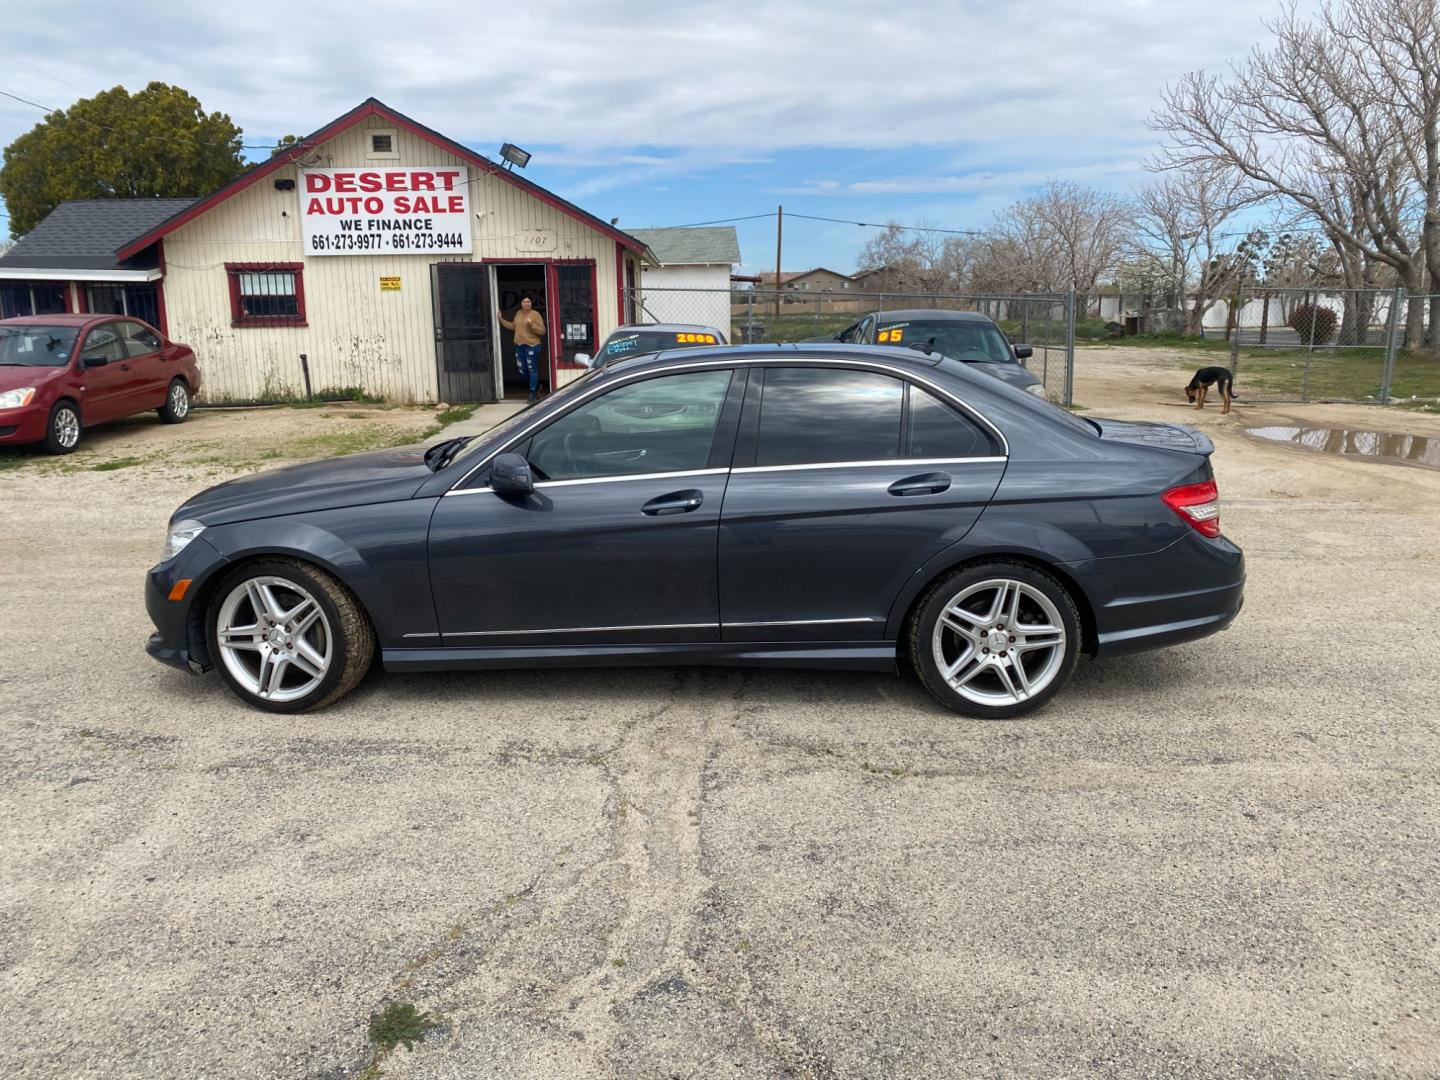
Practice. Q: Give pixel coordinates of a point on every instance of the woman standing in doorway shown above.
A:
(528, 325)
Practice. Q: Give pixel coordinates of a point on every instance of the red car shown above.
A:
(62, 373)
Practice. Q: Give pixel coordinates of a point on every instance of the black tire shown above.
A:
(922, 634)
(352, 636)
(177, 403)
(63, 430)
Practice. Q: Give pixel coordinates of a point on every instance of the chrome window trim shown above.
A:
(420, 635)
(584, 629)
(599, 480)
(905, 462)
(738, 362)
(802, 622)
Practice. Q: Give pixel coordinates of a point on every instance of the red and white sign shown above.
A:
(386, 211)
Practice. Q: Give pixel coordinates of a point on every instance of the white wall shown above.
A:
(356, 335)
(708, 308)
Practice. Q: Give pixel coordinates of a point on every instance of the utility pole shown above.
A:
(779, 228)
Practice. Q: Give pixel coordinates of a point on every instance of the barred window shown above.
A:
(266, 295)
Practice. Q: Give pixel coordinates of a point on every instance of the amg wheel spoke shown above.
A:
(241, 637)
(965, 669)
(1003, 673)
(967, 632)
(1018, 667)
(308, 659)
(1048, 639)
(302, 616)
(958, 613)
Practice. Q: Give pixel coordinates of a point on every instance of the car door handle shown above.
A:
(676, 502)
(925, 484)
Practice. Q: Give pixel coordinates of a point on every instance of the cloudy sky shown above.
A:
(674, 113)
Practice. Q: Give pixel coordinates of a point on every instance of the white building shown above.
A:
(689, 259)
(381, 251)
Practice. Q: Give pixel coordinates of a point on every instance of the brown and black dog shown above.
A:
(1207, 377)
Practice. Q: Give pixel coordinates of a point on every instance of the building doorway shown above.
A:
(514, 282)
(464, 332)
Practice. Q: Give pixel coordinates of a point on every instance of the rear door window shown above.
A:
(823, 415)
(139, 340)
(938, 431)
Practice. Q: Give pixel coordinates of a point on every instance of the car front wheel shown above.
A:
(63, 433)
(288, 637)
(177, 403)
(996, 640)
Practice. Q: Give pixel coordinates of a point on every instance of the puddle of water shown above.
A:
(1384, 446)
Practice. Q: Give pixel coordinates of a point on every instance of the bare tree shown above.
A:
(1185, 228)
(909, 259)
(1327, 121)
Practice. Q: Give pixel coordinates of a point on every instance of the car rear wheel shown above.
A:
(62, 435)
(288, 637)
(996, 640)
(177, 403)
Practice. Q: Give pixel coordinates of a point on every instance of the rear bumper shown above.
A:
(1190, 590)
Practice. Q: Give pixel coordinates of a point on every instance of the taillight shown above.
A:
(1198, 504)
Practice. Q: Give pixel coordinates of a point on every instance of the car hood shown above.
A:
(13, 378)
(1014, 374)
(359, 479)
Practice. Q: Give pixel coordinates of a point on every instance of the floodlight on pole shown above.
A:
(514, 155)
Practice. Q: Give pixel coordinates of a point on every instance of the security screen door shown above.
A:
(464, 332)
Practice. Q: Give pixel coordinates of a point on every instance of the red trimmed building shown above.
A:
(378, 249)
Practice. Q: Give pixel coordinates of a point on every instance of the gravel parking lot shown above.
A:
(1218, 860)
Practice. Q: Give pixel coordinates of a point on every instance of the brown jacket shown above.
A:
(529, 326)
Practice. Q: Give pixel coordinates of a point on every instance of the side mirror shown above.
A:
(93, 361)
(1023, 352)
(510, 475)
(583, 359)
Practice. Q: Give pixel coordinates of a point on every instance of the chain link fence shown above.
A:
(1342, 345)
(1045, 322)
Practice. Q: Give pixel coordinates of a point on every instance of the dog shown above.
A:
(1207, 377)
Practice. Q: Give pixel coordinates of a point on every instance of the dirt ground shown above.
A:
(1218, 859)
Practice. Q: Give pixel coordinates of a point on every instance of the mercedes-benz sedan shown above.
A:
(810, 506)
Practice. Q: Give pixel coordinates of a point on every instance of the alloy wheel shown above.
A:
(179, 401)
(274, 638)
(67, 428)
(999, 642)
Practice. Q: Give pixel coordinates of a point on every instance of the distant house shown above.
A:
(818, 279)
(700, 258)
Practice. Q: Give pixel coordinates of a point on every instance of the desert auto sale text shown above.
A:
(378, 211)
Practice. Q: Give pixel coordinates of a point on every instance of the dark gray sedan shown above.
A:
(809, 506)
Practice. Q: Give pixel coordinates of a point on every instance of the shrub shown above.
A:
(1311, 316)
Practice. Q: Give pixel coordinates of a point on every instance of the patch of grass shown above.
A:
(880, 770)
(339, 443)
(399, 1022)
(11, 459)
(357, 394)
(117, 463)
(1173, 340)
(1351, 373)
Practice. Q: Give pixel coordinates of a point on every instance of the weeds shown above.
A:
(399, 1022)
(117, 463)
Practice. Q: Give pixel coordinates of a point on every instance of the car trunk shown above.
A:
(1147, 433)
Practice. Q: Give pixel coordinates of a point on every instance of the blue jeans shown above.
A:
(527, 359)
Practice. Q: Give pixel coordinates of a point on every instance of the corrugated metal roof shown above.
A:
(85, 234)
(692, 247)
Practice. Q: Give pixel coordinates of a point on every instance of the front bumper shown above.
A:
(19, 426)
(178, 639)
(1189, 590)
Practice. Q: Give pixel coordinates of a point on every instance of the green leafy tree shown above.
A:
(285, 143)
(157, 142)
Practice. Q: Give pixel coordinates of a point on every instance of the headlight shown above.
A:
(181, 533)
(1038, 389)
(17, 399)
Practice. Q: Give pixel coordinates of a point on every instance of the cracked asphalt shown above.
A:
(1217, 860)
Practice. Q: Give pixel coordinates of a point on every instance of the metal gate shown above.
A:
(464, 332)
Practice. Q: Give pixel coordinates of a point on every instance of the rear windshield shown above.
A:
(637, 342)
(972, 342)
(36, 346)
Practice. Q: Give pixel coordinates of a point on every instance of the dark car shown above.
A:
(819, 506)
(641, 339)
(60, 374)
(966, 336)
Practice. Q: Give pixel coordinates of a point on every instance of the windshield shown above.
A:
(639, 342)
(973, 342)
(36, 346)
(503, 429)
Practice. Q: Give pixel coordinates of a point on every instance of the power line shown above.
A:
(106, 127)
(837, 221)
(720, 221)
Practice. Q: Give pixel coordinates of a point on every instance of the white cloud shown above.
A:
(847, 73)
